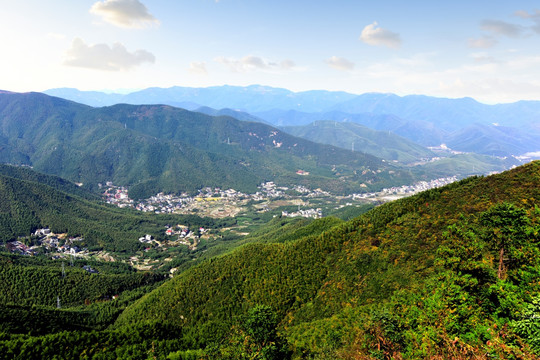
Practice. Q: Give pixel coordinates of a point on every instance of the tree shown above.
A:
(506, 229)
(256, 338)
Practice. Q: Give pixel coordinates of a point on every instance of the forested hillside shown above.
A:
(452, 272)
(156, 148)
(357, 137)
(30, 200)
(418, 277)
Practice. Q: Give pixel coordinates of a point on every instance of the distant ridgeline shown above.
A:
(154, 148)
(451, 273)
(463, 124)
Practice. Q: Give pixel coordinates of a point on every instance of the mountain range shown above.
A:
(354, 136)
(450, 273)
(156, 148)
(428, 121)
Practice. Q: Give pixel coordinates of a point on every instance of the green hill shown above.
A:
(453, 272)
(347, 135)
(156, 148)
(416, 278)
(30, 200)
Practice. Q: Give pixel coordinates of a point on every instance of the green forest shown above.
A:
(450, 273)
(154, 148)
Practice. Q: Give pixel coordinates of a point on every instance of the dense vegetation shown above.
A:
(31, 200)
(41, 296)
(156, 148)
(403, 280)
(450, 273)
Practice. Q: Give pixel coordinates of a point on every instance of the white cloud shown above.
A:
(254, 63)
(287, 64)
(124, 13)
(500, 27)
(483, 42)
(104, 57)
(534, 17)
(197, 67)
(377, 36)
(509, 78)
(340, 63)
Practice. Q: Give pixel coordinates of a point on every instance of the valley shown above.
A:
(269, 180)
(154, 223)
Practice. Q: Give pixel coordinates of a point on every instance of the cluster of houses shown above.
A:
(45, 238)
(164, 204)
(309, 213)
(407, 190)
(169, 203)
(116, 195)
(185, 235)
(183, 203)
(20, 248)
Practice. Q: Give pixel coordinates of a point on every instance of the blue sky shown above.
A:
(488, 50)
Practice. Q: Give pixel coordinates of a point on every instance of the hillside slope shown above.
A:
(29, 200)
(373, 285)
(160, 148)
(383, 144)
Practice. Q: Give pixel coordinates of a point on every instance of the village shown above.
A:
(297, 201)
(62, 247)
(394, 193)
(218, 203)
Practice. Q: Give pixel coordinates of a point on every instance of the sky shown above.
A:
(487, 50)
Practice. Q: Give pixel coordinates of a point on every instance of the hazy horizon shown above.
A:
(483, 50)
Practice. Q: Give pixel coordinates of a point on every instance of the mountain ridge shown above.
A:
(161, 148)
(424, 119)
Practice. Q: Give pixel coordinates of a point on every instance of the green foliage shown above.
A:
(415, 278)
(528, 324)
(412, 279)
(27, 205)
(256, 338)
(155, 148)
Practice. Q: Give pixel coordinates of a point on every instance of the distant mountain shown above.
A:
(446, 114)
(160, 148)
(426, 120)
(252, 98)
(91, 98)
(466, 165)
(239, 115)
(354, 136)
(493, 140)
(279, 117)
